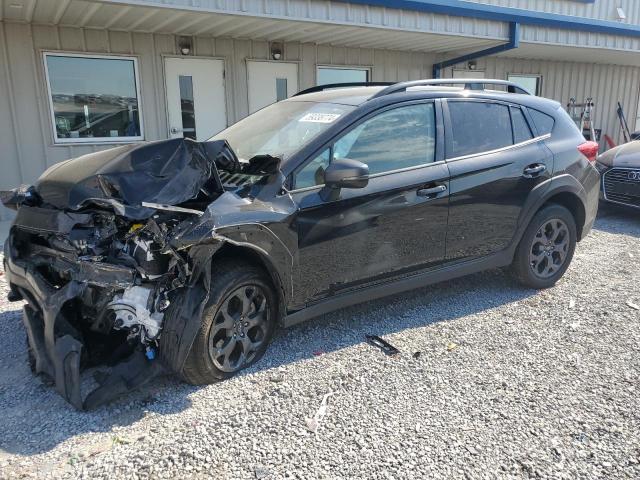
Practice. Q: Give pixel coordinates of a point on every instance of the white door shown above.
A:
(270, 82)
(195, 97)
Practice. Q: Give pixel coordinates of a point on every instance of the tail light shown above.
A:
(589, 150)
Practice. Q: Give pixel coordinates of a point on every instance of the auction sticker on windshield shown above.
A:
(319, 117)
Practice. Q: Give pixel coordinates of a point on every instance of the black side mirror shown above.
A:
(346, 173)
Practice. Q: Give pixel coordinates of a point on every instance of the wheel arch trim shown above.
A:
(545, 192)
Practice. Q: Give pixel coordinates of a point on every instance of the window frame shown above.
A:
(449, 129)
(532, 131)
(367, 69)
(537, 76)
(92, 140)
(439, 155)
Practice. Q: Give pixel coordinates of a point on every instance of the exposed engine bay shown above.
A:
(112, 257)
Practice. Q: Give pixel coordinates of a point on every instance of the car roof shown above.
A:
(358, 95)
(347, 96)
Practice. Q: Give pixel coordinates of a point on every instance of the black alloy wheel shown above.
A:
(237, 324)
(549, 248)
(239, 329)
(546, 247)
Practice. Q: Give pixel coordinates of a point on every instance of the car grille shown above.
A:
(233, 179)
(622, 185)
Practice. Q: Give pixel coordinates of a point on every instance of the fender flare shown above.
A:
(182, 320)
(564, 183)
(272, 251)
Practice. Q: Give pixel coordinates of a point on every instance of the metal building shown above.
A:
(78, 76)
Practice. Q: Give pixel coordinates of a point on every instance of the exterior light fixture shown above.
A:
(621, 14)
(185, 45)
(276, 51)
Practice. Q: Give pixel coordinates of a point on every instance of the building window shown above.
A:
(532, 83)
(328, 75)
(93, 98)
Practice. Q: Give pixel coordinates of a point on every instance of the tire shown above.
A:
(236, 326)
(31, 358)
(546, 248)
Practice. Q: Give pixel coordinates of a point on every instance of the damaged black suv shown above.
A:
(184, 256)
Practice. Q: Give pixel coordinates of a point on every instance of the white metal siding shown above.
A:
(340, 13)
(600, 9)
(577, 38)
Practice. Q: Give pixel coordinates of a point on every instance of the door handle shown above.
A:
(534, 170)
(428, 192)
(175, 130)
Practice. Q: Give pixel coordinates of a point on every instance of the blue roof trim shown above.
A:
(461, 8)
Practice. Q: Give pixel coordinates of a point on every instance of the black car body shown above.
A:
(620, 170)
(128, 256)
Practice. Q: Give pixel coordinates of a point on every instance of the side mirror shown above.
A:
(346, 173)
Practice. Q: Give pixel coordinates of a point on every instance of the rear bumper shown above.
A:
(591, 201)
(56, 350)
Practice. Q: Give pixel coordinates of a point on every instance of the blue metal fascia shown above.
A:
(461, 8)
(514, 42)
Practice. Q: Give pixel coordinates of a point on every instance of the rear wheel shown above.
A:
(546, 248)
(237, 324)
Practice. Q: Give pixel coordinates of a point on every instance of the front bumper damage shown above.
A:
(104, 280)
(55, 344)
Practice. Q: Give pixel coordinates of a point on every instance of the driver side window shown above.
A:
(394, 139)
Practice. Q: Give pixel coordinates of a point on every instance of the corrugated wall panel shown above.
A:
(327, 11)
(343, 13)
(577, 38)
(11, 155)
(600, 9)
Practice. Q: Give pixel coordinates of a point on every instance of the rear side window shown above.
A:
(544, 123)
(521, 130)
(479, 127)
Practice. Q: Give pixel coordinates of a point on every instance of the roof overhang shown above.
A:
(350, 25)
(461, 8)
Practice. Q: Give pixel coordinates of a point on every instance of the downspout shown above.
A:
(514, 42)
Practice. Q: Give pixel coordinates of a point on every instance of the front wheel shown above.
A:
(546, 248)
(237, 323)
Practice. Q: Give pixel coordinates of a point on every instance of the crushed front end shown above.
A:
(103, 285)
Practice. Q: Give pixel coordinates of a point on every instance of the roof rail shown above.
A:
(469, 84)
(329, 86)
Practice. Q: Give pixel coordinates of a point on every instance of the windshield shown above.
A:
(281, 129)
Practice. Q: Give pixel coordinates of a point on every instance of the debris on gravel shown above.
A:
(508, 382)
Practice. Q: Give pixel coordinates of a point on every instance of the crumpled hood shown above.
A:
(166, 172)
(625, 156)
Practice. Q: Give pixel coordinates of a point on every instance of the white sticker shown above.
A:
(319, 117)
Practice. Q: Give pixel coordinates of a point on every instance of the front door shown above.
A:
(270, 82)
(394, 226)
(195, 97)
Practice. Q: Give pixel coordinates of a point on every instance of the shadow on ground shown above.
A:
(618, 219)
(36, 418)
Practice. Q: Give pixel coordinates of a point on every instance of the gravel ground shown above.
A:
(510, 383)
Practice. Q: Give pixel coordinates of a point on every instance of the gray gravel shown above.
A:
(509, 383)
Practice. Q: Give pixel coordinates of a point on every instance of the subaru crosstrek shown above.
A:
(183, 256)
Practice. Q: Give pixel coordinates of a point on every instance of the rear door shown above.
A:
(495, 162)
(395, 225)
